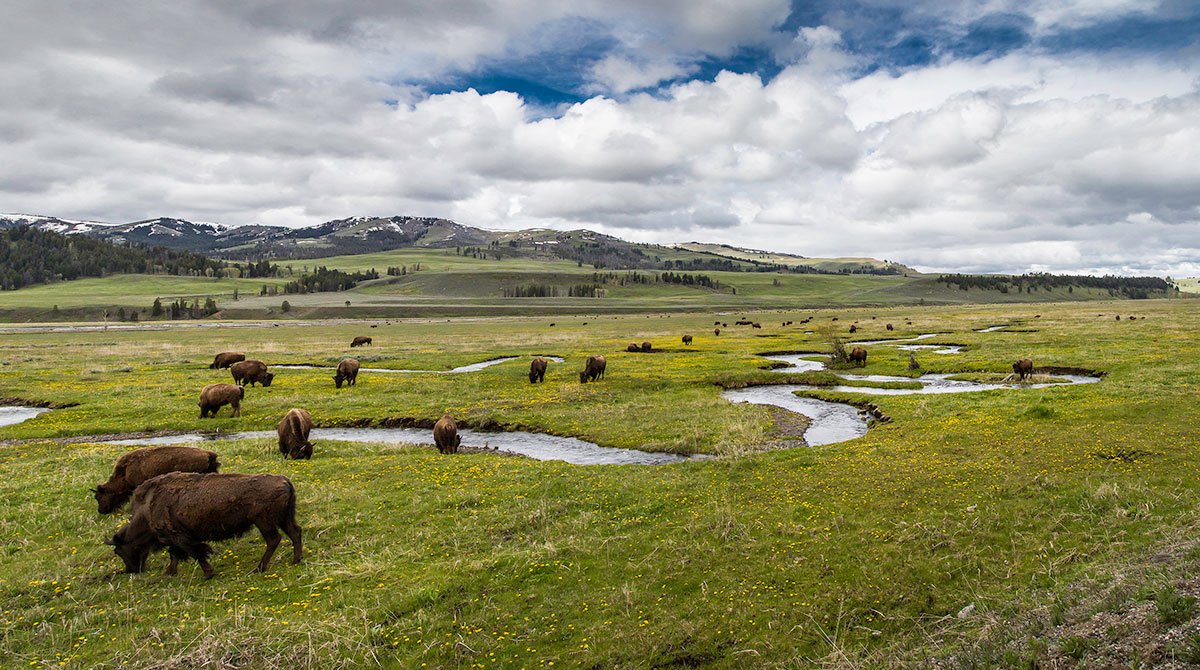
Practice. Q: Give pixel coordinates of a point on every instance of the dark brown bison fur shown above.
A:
(854, 329)
(646, 346)
(214, 396)
(146, 463)
(593, 369)
(687, 339)
(858, 355)
(1023, 368)
(537, 370)
(889, 327)
(181, 511)
(756, 325)
(251, 372)
(633, 347)
(360, 341)
(293, 434)
(445, 435)
(716, 331)
(225, 359)
(347, 371)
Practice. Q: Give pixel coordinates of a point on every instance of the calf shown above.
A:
(181, 511)
(139, 465)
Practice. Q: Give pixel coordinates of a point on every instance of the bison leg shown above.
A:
(173, 566)
(237, 409)
(271, 537)
(293, 532)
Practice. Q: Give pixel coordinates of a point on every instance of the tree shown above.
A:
(157, 308)
(286, 306)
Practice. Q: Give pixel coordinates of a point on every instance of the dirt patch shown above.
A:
(787, 428)
(21, 402)
(790, 352)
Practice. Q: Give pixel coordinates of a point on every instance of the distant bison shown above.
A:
(251, 372)
(1023, 368)
(139, 465)
(293, 434)
(858, 355)
(537, 370)
(360, 341)
(853, 328)
(889, 327)
(593, 369)
(347, 371)
(214, 396)
(181, 511)
(756, 325)
(225, 359)
(716, 323)
(716, 331)
(646, 346)
(633, 347)
(687, 339)
(445, 435)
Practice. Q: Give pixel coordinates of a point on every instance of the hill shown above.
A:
(831, 265)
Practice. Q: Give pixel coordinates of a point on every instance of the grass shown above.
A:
(859, 553)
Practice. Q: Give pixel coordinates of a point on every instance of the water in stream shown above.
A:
(14, 415)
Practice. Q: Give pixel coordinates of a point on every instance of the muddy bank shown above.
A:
(48, 404)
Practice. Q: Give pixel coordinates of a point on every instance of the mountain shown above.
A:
(368, 234)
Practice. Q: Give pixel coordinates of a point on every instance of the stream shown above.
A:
(474, 367)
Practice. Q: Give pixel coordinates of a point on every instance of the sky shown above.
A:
(973, 136)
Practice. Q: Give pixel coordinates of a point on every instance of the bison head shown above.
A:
(133, 548)
(583, 376)
(337, 380)
(107, 501)
(266, 381)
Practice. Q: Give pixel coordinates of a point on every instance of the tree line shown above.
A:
(1132, 287)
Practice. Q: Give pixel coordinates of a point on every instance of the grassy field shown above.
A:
(448, 284)
(853, 554)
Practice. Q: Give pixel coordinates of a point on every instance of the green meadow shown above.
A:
(863, 553)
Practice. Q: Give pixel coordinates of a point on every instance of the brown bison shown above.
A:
(687, 339)
(858, 355)
(1023, 368)
(756, 325)
(360, 341)
(593, 369)
(445, 435)
(853, 328)
(251, 372)
(633, 347)
(293, 434)
(716, 331)
(716, 323)
(347, 371)
(146, 463)
(537, 370)
(889, 327)
(646, 346)
(182, 510)
(214, 396)
(225, 359)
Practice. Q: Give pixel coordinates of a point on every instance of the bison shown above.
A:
(716, 331)
(756, 325)
(251, 372)
(537, 370)
(183, 510)
(347, 371)
(225, 359)
(293, 434)
(687, 339)
(445, 435)
(139, 465)
(593, 369)
(360, 341)
(633, 347)
(214, 396)
(889, 327)
(646, 346)
(858, 355)
(1023, 368)
(853, 328)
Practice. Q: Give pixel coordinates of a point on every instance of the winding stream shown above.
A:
(474, 367)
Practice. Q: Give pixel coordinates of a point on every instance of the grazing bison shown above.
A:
(182, 510)
(1023, 368)
(716, 323)
(646, 346)
(593, 369)
(445, 435)
(858, 355)
(360, 341)
(293, 434)
(756, 325)
(225, 359)
(537, 370)
(853, 328)
(633, 347)
(146, 463)
(213, 396)
(251, 372)
(889, 327)
(687, 339)
(716, 331)
(347, 371)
